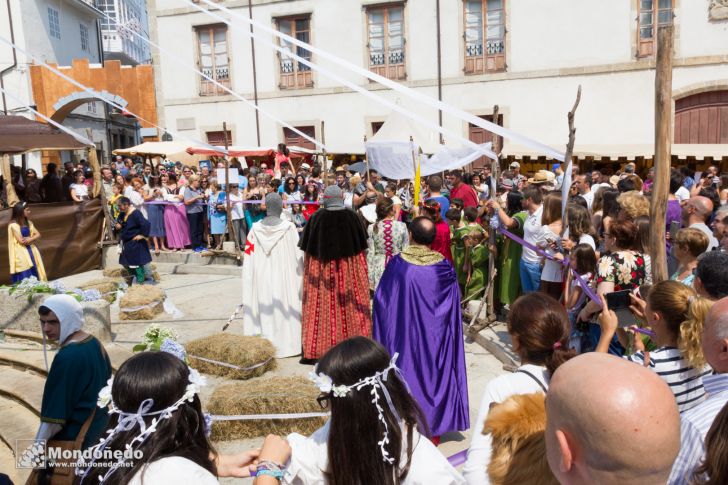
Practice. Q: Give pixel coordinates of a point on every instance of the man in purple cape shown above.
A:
(417, 314)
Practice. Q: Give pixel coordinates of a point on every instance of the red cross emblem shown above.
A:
(249, 247)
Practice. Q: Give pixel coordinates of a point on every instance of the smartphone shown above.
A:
(674, 227)
(619, 302)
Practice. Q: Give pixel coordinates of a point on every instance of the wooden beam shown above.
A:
(12, 197)
(663, 148)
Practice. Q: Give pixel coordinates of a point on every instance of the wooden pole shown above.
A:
(568, 160)
(12, 197)
(663, 151)
(228, 209)
(488, 295)
(98, 190)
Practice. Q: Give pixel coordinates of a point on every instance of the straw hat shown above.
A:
(540, 177)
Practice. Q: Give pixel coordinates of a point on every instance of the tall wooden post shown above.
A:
(98, 190)
(663, 151)
(228, 209)
(12, 197)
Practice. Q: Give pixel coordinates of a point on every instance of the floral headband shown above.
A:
(377, 382)
(128, 420)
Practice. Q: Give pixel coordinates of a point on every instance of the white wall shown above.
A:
(584, 39)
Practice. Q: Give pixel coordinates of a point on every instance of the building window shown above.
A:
(91, 107)
(84, 38)
(485, 36)
(54, 25)
(217, 138)
(376, 126)
(293, 73)
(385, 28)
(293, 139)
(652, 14)
(213, 60)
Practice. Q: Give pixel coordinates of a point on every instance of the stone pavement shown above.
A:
(208, 300)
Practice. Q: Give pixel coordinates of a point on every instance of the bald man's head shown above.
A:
(610, 421)
(715, 337)
(422, 231)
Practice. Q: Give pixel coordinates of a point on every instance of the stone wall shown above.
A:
(20, 313)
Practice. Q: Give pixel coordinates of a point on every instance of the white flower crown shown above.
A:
(128, 421)
(377, 381)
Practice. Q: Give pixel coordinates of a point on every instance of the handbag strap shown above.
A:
(538, 381)
(84, 429)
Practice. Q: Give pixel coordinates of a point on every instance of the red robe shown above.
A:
(442, 240)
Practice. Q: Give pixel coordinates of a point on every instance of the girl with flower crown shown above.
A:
(376, 434)
(156, 417)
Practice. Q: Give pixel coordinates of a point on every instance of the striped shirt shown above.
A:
(694, 425)
(685, 382)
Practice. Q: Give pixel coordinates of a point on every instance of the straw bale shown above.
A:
(275, 395)
(238, 350)
(141, 296)
(106, 286)
(121, 272)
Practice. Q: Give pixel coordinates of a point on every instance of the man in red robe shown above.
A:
(335, 277)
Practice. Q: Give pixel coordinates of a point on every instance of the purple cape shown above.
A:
(417, 313)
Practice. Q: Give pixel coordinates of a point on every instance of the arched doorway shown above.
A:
(702, 118)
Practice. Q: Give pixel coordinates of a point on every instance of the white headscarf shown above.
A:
(69, 313)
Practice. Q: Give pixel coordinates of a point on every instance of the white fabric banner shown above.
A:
(394, 159)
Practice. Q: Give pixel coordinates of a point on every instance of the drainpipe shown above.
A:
(255, 75)
(15, 58)
(439, 67)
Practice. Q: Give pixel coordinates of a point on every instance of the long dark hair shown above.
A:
(19, 214)
(311, 197)
(514, 202)
(385, 207)
(164, 378)
(359, 461)
(287, 189)
(542, 327)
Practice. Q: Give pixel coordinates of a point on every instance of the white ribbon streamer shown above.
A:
(412, 93)
(105, 99)
(250, 417)
(219, 85)
(390, 104)
(232, 366)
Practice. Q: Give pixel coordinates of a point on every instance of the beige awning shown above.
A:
(627, 151)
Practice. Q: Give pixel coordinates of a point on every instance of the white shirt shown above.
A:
(682, 194)
(236, 209)
(81, 190)
(712, 241)
(532, 232)
(589, 197)
(309, 458)
(498, 390)
(173, 470)
(552, 270)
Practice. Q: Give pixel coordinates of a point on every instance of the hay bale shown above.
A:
(106, 286)
(275, 395)
(121, 272)
(238, 350)
(141, 302)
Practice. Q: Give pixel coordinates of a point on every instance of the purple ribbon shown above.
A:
(584, 285)
(256, 201)
(458, 458)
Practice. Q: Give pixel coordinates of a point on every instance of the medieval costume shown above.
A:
(387, 238)
(508, 278)
(272, 280)
(417, 314)
(135, 252)
(80, 369)
(335, 283)
(475, 262)
(25, 260)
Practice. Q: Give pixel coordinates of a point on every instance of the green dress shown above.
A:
(509, 256)
(475, 286)
(457, 248)
(78, 372)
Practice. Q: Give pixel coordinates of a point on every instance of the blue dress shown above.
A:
(218, 219)
(33, 271)
(155, 214)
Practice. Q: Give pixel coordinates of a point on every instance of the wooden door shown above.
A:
(479, 135)
(702, 118)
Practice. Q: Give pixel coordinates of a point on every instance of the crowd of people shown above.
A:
(359, 277)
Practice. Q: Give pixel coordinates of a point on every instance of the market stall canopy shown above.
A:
(397, 127)
(175, 151)
(628, 151)
(20, 135)
(253, 152)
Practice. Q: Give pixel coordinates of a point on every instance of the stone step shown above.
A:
(7, 465)
(16, 422)
(213, 269)
(24, 387)
(191, 257)
(31, 358)
(24, 335)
